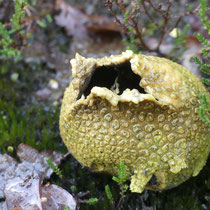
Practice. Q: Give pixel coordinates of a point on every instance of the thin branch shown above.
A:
(108, 3)
(31, 18)
(194, 12)
(144, 8)
(120, 203)
(134, 24)
(157, 9)
(147, 13)
(166, 18)
(139, 35)
(82, 194)
(120, 5)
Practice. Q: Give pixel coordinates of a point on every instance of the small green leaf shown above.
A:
(54, 167)
(92, 201)
(203, 40)
(66, 208)
(205, 70)
(42, 24)
(33, 2)
(125, 17)
(205, 53)
(188, 7)
(49, 18)
(205, 81)
(73, 188)
(30, 35)
(130, 29)
(114, 178)
(109, 193)
(204, 109)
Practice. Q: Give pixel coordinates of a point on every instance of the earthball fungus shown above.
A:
(142, 110)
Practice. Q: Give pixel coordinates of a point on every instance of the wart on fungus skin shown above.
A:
(139, 109)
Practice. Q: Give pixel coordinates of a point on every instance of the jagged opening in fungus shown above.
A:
(116, 78)
(153, 181)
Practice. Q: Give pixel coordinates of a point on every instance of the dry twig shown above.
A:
(145, 8)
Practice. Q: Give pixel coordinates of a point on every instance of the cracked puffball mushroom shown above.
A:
(142, 110)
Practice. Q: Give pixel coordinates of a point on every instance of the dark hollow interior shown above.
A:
(105, 77)
(153, 181)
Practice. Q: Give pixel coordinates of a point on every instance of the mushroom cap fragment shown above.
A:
(139, 109)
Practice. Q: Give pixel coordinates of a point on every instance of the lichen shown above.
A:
(151, 122)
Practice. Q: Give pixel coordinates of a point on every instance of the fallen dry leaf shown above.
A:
(20, 183)
(3, 205)
(7, 171)
(78, 24)
(28, 194)
(31, 160)
(73, 19)
(37, 159)
(24, 193)
(54, 195)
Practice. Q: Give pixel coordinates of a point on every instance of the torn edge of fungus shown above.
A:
(119, 83)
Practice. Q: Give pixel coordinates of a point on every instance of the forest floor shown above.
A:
(31, 92)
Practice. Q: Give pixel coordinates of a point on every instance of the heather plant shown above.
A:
(204, 67)
(145, 19)
(204, 109)
(16, 33)
(13, 33)
(54, 168)
(121, 180)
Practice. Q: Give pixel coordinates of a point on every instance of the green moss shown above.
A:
(35, 125)
(22, 118)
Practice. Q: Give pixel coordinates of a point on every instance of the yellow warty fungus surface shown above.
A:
(139, 109)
